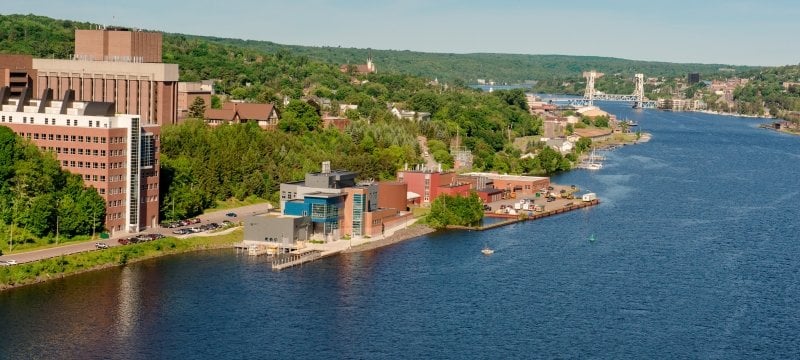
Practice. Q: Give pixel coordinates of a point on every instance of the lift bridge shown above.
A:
(637, 98)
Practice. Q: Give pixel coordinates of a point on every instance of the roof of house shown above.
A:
(246, 111)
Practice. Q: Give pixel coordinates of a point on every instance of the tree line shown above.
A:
(39, 199)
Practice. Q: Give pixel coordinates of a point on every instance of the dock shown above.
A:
(283, 261)
(527, 215)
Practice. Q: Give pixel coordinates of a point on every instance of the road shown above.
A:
(72, 248)
(430, 163)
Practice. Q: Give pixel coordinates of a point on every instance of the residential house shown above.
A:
(265, 115)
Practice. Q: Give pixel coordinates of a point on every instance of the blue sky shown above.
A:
(741, 32)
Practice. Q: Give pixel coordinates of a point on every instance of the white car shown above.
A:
(100, 245)
(8, 262)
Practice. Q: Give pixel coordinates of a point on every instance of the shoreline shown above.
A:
(117, 261)
(413, 232)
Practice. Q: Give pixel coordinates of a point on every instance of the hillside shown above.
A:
(45, 37)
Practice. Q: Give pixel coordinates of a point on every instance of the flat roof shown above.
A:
(507, 177)
(323, 195)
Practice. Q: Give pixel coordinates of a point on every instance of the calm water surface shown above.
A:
(695, 257)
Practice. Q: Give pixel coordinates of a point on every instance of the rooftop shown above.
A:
(506, 177)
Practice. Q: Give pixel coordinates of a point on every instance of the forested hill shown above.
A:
(502, 68)
(46, 37)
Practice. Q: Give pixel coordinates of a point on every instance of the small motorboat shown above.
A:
(487, 251)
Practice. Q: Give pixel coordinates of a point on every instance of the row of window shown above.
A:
(115, 203)
(74, 151)
(74, 138)
(49, 121)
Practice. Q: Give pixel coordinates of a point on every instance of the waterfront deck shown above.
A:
(527, 215)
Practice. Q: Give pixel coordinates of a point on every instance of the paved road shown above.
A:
(72, 248)
(430, 163)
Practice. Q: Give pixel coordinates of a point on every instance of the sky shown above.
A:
(736, 32)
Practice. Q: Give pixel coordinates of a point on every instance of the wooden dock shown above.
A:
(283, 261)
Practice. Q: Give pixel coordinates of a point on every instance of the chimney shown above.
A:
(326, 167)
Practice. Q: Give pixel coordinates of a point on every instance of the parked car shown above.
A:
(8, 262)
(123, 241)
(181, 231)
(100, 245)
(156, 236)
(231, 214)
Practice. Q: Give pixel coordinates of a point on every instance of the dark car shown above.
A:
(123, 241)
(231, 214)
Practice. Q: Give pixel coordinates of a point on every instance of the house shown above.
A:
(360, 69)
(561, 145)
(411, 115)
(337, 122)
(236, 113)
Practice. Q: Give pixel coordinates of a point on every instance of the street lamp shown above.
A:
(58, 212)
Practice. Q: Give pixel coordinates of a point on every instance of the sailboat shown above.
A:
(593, 164)
(591, 238)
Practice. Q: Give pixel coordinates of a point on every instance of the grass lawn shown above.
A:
(37, 271)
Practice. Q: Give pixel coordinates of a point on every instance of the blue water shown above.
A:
(695, 256)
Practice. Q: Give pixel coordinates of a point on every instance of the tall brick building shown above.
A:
(116, 154)
(110, 65)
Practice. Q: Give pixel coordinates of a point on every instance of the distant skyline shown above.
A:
(736, 32)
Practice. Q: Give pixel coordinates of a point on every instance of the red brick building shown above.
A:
(116, 154)
(429, 184)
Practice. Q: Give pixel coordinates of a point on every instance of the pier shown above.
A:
(283, 261)
(529, 215)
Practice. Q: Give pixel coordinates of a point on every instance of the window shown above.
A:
(102, 140)
(80, 138)
(58, 150)
(73, 138)
(36, 136)
(102, 178)
(24, 119)
(46, 121)
(96, 123)
(80, 164)
(58, 137)
(102, 191)
(72, 163)
(102, 165)
(95, 152)
(94, 177)
(80, 151)
(102, 153)
(50, 137)
(69, 122)
(72, 151)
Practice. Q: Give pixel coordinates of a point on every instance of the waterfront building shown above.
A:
(265, 115)
(333, 205)
(430, 184)
(117, 154)
(514, 184)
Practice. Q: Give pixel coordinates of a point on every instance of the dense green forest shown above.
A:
(35, 194)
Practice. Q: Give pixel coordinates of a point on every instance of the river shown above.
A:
(695, 256)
